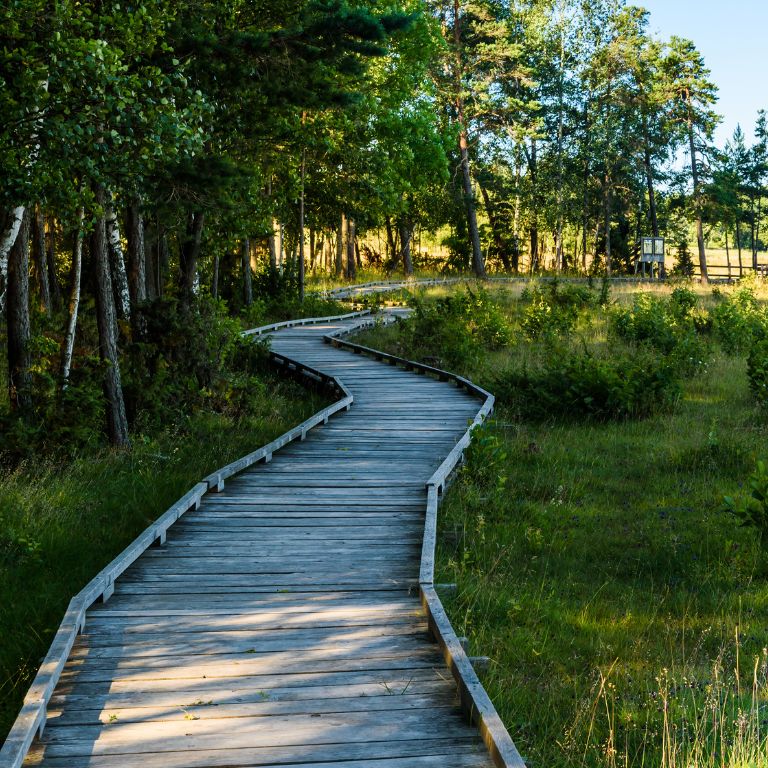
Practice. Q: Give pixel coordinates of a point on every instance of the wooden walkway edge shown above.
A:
(219, 570)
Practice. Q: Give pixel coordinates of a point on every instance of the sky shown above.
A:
(732, 35)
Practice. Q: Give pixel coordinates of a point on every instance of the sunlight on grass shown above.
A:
(62, 520)
(596, 566)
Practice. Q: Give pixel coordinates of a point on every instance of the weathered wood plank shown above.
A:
(280, 623)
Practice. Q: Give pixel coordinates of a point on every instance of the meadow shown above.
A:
(623, 606)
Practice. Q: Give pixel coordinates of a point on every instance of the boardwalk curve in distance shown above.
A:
(281, 622)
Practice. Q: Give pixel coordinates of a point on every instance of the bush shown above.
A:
(553, 311)
(454, 331)
(753, 511)
(757, 371)
(578, 384)
(673, 327)
(60, 419)
(685, 266)
(183, 359)
(738, 320)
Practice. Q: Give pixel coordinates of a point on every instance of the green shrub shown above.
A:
(671, 326)
(573, 385)
(184, 359)
(757, 371)
(61, 419)
(454, 331)
(739, 320)
(647, 320)
(683, 302)
(685, 266)
(552, 311)
(752, 512)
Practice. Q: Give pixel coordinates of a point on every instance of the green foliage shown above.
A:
(276, 298)
(543, 320)
(738, 320)
(671, 326)
(453, 331)
(684, 266)
(487, 459)
(186, 358)
(573, 385)
(752, 512)
(553, 309)
(757, 371)
(648, 320)
(62, 419)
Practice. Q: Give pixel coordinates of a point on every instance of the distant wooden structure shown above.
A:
(652, 252)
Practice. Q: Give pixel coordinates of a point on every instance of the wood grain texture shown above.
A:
(281, 622)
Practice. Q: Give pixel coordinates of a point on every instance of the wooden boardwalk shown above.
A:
(280, 623)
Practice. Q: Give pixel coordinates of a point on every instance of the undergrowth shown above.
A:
(622, 604)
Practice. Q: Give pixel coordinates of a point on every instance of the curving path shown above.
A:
(280, 623)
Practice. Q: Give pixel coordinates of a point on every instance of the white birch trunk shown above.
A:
(74, 304)
(117, 260)
(6, 243)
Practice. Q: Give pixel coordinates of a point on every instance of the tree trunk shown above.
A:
(351, 263)
(340, 242)
(756, 235)
(7, 241)
(312, 248)
(559, 252)
(697, 202)
(106, 315)
(190, 254)
(137, 254)
(40, 258)
(608, 208)
(498, 238)
(245, 263)
(516, 220)
(406, 236)
(585, 189)
(649, 178)
(117, 264)
(18, 321)
(302, 265)
(74, 303)
(215, 277)
(57, 298)
(273, 247)
(478, 265)
(391, 244)
(533, 167)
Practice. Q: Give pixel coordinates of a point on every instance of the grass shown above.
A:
(62, 521)
(623, 610)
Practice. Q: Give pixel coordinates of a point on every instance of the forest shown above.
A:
(154, 157)
(173, 174)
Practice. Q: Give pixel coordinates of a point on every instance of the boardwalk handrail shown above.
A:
(32, 717)
(475, 701)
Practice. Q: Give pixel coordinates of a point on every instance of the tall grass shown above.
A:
(62, 520)
(716, 722)
(597, 567)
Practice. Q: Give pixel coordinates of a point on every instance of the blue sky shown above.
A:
(733, 37)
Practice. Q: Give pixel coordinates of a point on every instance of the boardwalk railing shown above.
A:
(475, 701)
(32, 718)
